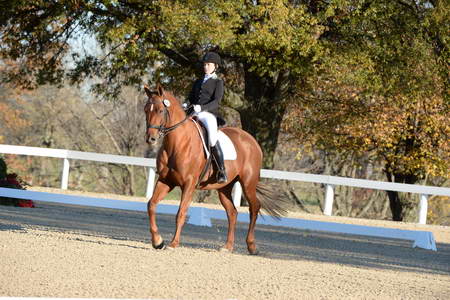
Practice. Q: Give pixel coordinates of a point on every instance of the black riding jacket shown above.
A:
(208, 95)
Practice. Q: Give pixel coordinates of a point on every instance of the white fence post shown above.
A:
(237, 194)
(329, 198)
(423, 208)
(65, 175)
(150, 183)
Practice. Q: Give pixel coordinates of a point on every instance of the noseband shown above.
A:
(162, 129)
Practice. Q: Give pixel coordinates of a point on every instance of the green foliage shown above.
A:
(265, 45)
(268, 36)
(369, 76)
(383, 90)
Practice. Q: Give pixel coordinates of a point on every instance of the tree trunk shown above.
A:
(400, 203)
(263, 111)
(264, 126)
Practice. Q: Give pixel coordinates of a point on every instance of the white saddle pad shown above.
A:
(229, 152)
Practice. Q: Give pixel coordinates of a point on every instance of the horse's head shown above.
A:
(163, 113)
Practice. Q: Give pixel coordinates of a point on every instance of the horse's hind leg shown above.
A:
(161, 190)
(249, 190)
(227, 202)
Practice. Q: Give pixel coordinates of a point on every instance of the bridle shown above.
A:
(162, 129)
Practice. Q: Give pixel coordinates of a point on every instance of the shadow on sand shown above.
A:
(273, 242)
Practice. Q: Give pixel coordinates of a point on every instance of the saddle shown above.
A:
(203, 132)
(229, 151)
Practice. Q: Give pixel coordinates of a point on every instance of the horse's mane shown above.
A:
(176, 103)
(169, 94)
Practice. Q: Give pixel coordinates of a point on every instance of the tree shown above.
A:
(265, 45)
(384, 91)
(371, 75)
(63, 118)
(13, 121)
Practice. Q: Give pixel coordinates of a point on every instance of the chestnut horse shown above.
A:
(180, 162)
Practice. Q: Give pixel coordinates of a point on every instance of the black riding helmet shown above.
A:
(212, 57)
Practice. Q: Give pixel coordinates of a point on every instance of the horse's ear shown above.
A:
(159, 89)
(148, 91)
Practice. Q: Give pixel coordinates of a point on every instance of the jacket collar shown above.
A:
(209, 76)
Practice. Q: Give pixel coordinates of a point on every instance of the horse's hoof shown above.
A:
(161, 246)
(225, 250)
(255, 252)
(170, 248)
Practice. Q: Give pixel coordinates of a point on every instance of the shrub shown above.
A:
(12, 181)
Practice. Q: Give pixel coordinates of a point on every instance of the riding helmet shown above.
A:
(212, 57)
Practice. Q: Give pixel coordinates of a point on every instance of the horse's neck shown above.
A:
(178, 140)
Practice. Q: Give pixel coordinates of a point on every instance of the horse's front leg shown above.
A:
(161, 190)
(186, 199)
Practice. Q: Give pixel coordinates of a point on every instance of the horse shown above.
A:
(180, 162)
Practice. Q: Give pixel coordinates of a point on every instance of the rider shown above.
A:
(205, 96)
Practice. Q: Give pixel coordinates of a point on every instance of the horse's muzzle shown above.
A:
(151, 139)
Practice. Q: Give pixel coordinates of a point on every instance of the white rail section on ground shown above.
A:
(202, 216)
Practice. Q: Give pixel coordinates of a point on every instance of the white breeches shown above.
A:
(210, 122)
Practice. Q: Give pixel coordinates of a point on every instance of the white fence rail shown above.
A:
(329, 181)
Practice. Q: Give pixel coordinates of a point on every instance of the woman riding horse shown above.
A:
(204, 98)
(180, 163)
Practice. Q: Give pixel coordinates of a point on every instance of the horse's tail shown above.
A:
(273, 201)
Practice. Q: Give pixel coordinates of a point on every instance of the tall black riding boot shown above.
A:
(218, 154)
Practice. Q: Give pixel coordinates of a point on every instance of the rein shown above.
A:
(163, 130)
